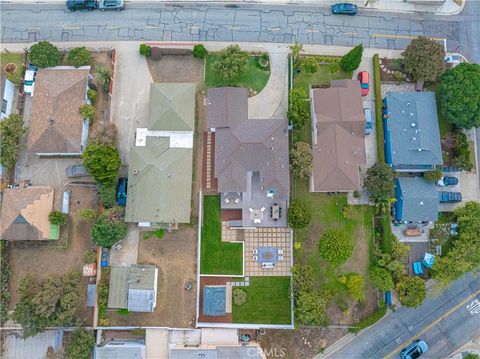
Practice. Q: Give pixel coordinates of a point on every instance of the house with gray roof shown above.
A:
(412, 136)
(251, 161)
(121, 349)
(133, 287)
(160, 169)
(219, 352)
(416, 200)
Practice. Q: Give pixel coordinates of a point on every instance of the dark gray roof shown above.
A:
(227, 352)
(243, 146)
(226, 105)
(414, 132)
(119, 349)
(419, 199)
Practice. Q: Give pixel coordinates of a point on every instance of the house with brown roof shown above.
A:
(251, 161)
(56, 126)
(338, 137)
(25, 211)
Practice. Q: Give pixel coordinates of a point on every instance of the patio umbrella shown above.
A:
(428, 260)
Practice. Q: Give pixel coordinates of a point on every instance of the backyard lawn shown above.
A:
(321, 78)
(255, 78)
(268, 302)
(217, 257)
(17, 59)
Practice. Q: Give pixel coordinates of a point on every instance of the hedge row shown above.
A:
(378, 109)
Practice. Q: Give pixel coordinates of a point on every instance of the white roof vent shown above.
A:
(413, 124)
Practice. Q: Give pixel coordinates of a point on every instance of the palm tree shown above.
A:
(383, 205)
(104, 77)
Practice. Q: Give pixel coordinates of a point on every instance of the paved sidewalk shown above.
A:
(449, 7)
(272, 101)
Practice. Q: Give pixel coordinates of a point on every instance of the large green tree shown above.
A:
(11, 130)
(411, 291)
(102, 162)
(53, 302)
(299, 215)
(464, 256)
(232, 63)
(45, 54)
(109, 228)
(381, 278)
(81, 346)
(301, 159)
(423, 59)
(380, 184)
(460, 95)
(335, 245)
(79, 56)
(351, 60)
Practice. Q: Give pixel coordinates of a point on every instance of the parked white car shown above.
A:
(29, 81)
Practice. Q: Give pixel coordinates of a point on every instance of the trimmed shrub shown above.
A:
(57, 217)
(239, 296)
(92, 95)
(351, 60)
(199, 51)
(145, 50)
(378, 110)
(299, 215)
(310, 64)
(380, 278)
(45, 54)
(79, 56)
(433, 176)
(108, 194)
(88, 111)
(335, 246)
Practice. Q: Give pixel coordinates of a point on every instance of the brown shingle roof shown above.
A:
(25, 213)
(55, 123)
(243, 145)
(340, 142)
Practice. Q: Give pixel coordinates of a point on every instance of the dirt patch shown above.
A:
(298, 343)
(47, 260)
(175, 257)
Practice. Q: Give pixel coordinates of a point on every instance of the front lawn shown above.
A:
(217, 257)
(254, 79)
(268, 302)
(17, 59)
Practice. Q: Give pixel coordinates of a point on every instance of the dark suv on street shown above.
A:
(89, 5)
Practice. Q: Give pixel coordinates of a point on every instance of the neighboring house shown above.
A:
(219, 352)
(133, 287)
(412, 136)
(121, 349)
(416, 200)
(251, 161)
(25, 211)
(7, 90)
(56, 126)
(338, 137)
(160, 168)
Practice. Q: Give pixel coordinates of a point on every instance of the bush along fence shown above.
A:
(378, 109)
(4, 280)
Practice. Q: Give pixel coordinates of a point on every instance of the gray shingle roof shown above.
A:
(221, 352)
(419, 199)
(243, 145)
(414, 132)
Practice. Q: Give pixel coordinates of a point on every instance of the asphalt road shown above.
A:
(445, 322)
(239, 23)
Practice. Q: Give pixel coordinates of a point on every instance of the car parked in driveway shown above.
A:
(363, 78)
(116, 5)
(447, 181)
(368, 121)
(76, 171)
(344, 9)
(449, 197)
(29, 79)
(122, 191)
(414, 350)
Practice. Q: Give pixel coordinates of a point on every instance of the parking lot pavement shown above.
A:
(130, 96)
(126, 251)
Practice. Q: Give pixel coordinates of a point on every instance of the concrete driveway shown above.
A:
(131, 93)
(125, 252)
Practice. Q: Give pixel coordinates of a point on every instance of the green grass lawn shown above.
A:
(255, 78)
(217, 257)
(17, 59)
(321, 78)
(268, 302)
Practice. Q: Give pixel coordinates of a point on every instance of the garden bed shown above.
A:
(17, 59)
(254, 79)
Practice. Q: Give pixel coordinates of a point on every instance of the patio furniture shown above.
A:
(268, 265)
(254, 251)
(428, 260)
(257, 220)
(255, 258)
(413, 232)
(262, 209)
(237, 200)
(251, 210)
(280, 258)
(417, 268)
(280, 251)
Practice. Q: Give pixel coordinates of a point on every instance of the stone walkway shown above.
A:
(272, 101)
